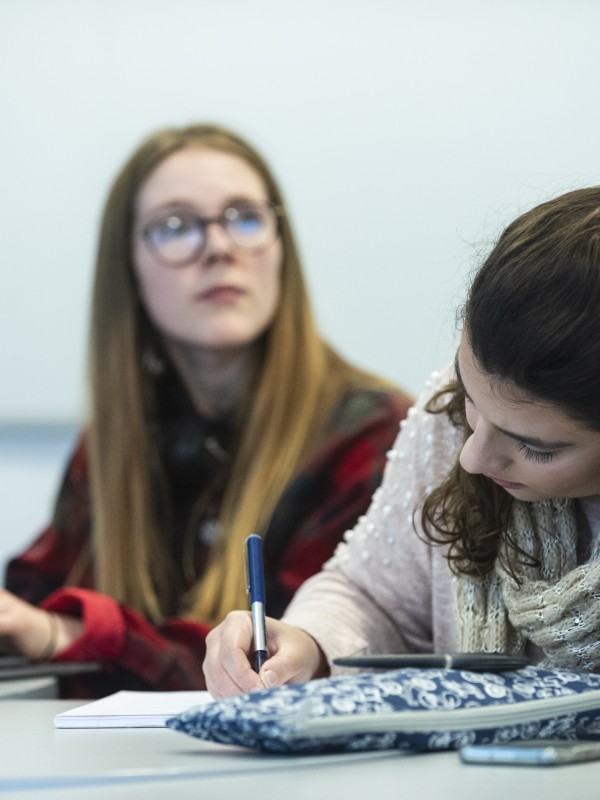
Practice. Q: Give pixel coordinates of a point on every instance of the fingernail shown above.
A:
(269, 679)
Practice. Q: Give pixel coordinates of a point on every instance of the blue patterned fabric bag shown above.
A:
(407, 709)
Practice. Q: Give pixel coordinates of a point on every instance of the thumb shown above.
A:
(272, 674)
(284, 668)
(296, 656)
(277, 671)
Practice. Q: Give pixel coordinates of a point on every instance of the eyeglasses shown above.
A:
(179, 237)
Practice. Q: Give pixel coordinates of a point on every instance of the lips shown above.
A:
(221, 294)
(506, 484)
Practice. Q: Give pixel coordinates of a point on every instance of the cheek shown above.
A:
(273, 292)
(152, 289)
(563, 479)
(271, 282)
(159, 293)
(583, 476)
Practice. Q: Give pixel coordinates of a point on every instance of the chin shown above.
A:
(215, 340)
(230, 339)
(528, 495)
(225, 343)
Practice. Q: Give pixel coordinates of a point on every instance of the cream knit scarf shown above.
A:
(557, 606)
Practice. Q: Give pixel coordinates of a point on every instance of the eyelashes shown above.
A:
(529, 453)
(535, 455)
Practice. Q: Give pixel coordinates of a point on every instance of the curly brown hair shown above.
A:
(532, 321)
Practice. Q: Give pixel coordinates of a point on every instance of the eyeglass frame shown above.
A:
(220, 219)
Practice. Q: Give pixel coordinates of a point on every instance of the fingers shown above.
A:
(226, 666)
(24, 628)
(294, 656)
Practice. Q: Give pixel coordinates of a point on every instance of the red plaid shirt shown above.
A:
(319, 505)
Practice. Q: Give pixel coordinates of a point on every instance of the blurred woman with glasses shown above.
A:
(217, 410)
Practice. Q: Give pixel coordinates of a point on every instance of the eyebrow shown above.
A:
(176, 203)
(530, 440)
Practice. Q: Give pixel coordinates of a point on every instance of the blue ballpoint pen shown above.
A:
(256, 589)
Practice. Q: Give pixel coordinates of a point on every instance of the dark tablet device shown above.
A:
(475, 662)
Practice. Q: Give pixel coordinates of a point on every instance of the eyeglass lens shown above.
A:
(180, 237)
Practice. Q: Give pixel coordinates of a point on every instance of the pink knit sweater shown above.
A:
(385, 589)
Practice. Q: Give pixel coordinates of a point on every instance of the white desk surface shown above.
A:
(30, 747)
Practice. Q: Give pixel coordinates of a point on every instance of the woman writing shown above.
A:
(216, 410)
(485, 534)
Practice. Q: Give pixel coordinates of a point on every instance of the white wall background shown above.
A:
(405, 135)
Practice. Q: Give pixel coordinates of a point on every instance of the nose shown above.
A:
(217, 239)
(485, 451)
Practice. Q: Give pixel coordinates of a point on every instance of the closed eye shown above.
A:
(538, 456)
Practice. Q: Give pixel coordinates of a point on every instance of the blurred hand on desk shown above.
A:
(32, 632)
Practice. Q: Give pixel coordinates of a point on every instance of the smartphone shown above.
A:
(535, 752)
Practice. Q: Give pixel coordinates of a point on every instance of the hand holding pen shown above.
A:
(244, 644)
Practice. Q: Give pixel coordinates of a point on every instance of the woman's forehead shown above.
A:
(201, 174)
(510, 407)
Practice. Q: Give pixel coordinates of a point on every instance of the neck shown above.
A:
(590, 506)
(215, 379)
